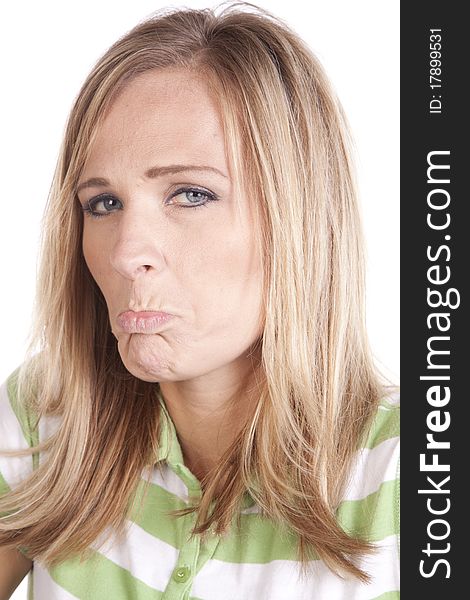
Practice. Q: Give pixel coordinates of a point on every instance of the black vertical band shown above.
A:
(435, 267)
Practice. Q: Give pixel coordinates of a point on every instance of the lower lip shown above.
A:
(142, 321)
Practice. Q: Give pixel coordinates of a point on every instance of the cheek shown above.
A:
(235, 276)
(94, 255)
(231, 256)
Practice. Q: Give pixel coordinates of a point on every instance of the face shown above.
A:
(164, 232)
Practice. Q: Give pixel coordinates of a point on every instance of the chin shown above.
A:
(148, 369)
(143, 360)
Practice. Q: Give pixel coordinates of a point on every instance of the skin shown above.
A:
(13, 569)
(152, 251)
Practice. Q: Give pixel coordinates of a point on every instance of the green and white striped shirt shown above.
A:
(155, 561)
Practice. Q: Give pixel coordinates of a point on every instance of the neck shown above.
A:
(209, 414)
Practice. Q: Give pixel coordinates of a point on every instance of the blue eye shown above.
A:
(102, 205)
(196, 197)
(105, 204)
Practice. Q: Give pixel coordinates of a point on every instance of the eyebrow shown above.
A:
(151, 173)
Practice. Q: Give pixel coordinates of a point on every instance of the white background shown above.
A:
(47, 49)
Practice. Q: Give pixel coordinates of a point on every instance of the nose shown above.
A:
(137, 248)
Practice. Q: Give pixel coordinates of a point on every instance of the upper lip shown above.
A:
(146, 321)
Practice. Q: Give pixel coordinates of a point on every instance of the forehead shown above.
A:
(165, 115)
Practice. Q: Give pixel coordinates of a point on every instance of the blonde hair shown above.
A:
(287, 142)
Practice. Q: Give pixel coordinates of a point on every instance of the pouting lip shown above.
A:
(143, 311)
(142, 321)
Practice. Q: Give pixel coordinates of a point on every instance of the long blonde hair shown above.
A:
(287, 140)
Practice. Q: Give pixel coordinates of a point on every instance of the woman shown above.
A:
(210, 421)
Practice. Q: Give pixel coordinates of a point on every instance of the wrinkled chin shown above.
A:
(145, 356)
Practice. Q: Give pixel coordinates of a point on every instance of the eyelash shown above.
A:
(88, 207)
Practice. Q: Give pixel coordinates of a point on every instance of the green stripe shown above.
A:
(30, 592)
(152, 515)
(257, 541)
(4, 487)
(25, 416)
(271, 542)
(388, 596)
(371, 517)
(99, 578)
(385, 425)
(368, 518)
(260, 541)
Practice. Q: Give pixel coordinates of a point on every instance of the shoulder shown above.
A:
(377, 461)
(375, 473)
(21, 428)
(16, 433)
(386, 422)
(14, 411)
(371, 504)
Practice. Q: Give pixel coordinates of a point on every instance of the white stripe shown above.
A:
(47, 426)
(255, 509)
(13, 469)
(45, 588)
(146, 557)
(279, 579)
(167, 479)
(372, 467)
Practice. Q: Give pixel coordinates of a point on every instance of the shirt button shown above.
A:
(181, 574)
